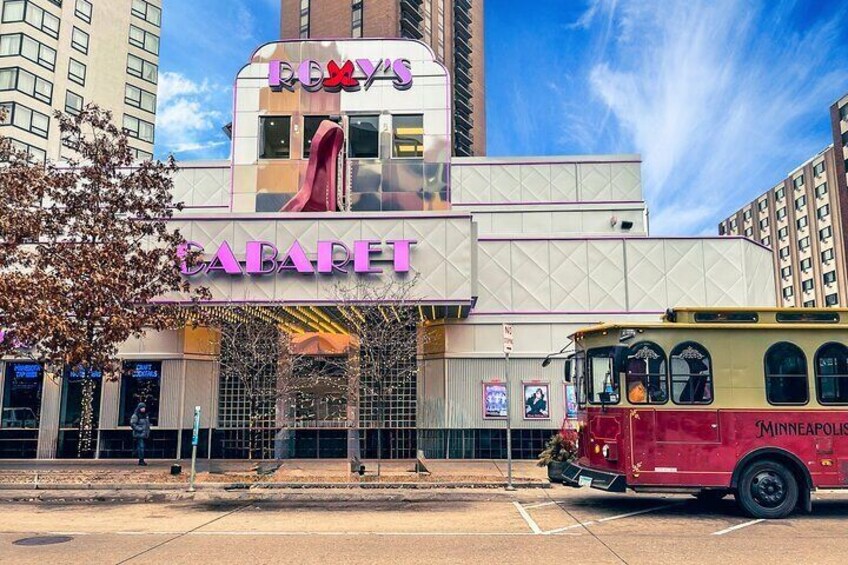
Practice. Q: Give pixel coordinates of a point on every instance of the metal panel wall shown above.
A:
(201, 389)
(431, 393)
(110, 404)
(170, 394)
(48, 428)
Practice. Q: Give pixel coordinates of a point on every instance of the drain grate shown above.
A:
(42, 540)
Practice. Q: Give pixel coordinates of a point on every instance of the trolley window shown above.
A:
(832, 374)
(602, 377)
(646, 374)
(808, 317)
(727, 317)
(786, 375)
(691, 374)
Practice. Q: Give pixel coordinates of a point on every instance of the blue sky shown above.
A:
(722, 98)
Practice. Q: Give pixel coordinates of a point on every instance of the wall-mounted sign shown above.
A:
(536, 398)
(264, 258)
(350, 76)
(495, 398)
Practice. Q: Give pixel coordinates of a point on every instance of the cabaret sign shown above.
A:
(262, 258)
(350, 76)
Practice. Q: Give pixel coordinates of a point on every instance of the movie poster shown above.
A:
(536, 401)
(495, 400)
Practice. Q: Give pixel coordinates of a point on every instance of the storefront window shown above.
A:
(22, 395)
(72, 398)
(408, 136)
(140, 382)
(310, 128)
(276, 137)
(364, 137)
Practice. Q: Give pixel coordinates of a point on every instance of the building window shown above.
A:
(747, 214)
(304, 19)
(786, 272)
(764, 223)
(138, 67)
(829, 277)
(832, 374)
(691, 375)
(798, 181)
(831, 299)
(749, 232)
(646, 374)
(72, 390)
(733, 224)
(140, 382)
(806, 264)
(22, 388)
(28, 48)
(784, 252)
(783, 233)
(821, 190)
(144, 40)
(823, 212)
(810, 304)
(147, 12)
(843, 113)
(827, 255)
(807, 285)
(788, 292)
(825, 233)
(786, 375)
(140, 155)
(766, 241)
(36, 154)
(364, 137)
(138, 98)
(356, 18)
(26, 82)
(79, 40)
(780, 193)
(76, 72)
(73, 103)
(83, 10)
(801, 202)
(804, 243)
(802, 222)
(310, 128)
(762, 205)
(408, 136)
(781, 213)
(275, 142)
(721, 229)
(34, 15)
(139, 129)
(818, 169)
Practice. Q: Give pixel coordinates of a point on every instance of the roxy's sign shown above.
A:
(350, 76)
(264, 258)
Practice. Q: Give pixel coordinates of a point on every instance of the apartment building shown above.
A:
(452, 28)
(63, 54)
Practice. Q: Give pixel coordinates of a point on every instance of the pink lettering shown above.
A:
(295, 259)
(402, 249)
(225, 260)
(327, 262)
(362, 252)
(256, 261)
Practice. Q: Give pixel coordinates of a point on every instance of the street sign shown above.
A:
(507, 338)
(195, 432)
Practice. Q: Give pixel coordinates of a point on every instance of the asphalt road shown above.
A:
(560, 526)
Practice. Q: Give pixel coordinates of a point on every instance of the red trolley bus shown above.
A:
(714, 402)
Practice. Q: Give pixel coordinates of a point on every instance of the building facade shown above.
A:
(803, 220)
(454, 29)
(548, 245)
(63, 54)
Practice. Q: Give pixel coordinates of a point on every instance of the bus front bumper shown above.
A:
(577, 476)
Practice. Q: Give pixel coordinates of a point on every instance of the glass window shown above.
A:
(810, 304)
(807, 285)
(786, 375)
(22, 390)
(747, 214)
(79, 40)
(818, 169)
(310, 128)
(364, 137)
(802, 222)
(781, 213)
(786, 272)
(408, 136)
(138, 98)
(72, 398)
(34, 15)
(788, 292)
(26, 82)
(83, 10)
(29, 48)
(804, 243)
(779, 193)
(144, 40)
(762, 205)
(798, 181)
(829, 277)
(276, 137)
(148, 12)
(806, 264)
(783, 232)
(749, 232)
(138, 67)
(766, 241)
(784, 252)
(73, 103)
(827, 255)
(140, 382)
(831, 299)
(138, 129)
(832, 374)
(800, 202)
(13, 11)
(29, 120)
(356, 18)
(76, 72)
(691, 374)
(764, 223)
(601, 376)
(825, 233)
(824, 212)
(646, 374)
(821, 189)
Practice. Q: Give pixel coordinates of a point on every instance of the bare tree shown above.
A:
(383, 318)
(85, 249)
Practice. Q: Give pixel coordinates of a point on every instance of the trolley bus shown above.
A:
(713, 402)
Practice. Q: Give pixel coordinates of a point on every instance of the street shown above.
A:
(565, 525)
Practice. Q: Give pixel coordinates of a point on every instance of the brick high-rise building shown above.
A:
(453, 28)
(63, 54)
(804, 220)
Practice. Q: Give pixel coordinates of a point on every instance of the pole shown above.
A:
(509, 485)
(194, 440)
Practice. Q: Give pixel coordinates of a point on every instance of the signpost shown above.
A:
(507, 349)
(195, 435)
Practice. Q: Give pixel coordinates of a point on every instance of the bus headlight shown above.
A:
(605, 451)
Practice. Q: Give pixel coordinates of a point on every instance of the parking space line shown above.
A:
(611, 518)
(540, 505)
(530, 521)
(738, 527)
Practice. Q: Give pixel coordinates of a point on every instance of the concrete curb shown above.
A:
(249, 487)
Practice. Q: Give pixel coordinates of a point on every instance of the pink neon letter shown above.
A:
(401, 251)
(295, 259)
(256, 259)
(225, 260)
(403, 72)
(307, 78)
(182, 253)
(362, 251)
(326, 262)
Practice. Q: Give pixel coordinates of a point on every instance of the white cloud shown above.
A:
(172, 85)
(187, 119)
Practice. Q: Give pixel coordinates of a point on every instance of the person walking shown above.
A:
(140, 424)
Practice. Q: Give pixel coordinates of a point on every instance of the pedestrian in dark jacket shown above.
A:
(140, 424)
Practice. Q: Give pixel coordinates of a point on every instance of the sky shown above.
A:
(721, 98)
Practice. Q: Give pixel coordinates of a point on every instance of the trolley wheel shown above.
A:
(711, 496)
(767, 489)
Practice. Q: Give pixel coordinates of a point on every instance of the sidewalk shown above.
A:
(233, 475)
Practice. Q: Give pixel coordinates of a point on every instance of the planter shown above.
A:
(555, 469)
